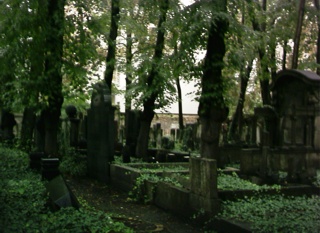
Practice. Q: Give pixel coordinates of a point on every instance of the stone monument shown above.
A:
(100, 133)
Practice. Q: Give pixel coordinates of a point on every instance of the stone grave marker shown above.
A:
(100, 137)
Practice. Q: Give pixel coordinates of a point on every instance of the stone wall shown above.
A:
(171, 121)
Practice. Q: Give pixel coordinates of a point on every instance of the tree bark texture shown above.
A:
(236, 123)
(212, 109)
(265, 74)
(111, 56)
(316, 4)
(27, 128)
(181, 125)
(149, 102)
(295, 55)
(128, 83)
(284, 55)
(53, 65)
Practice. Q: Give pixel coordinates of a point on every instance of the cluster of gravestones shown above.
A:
(285, 135)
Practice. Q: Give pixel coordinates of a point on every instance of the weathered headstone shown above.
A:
(100, 138)
(50, 168)
(131, 134)
(60, 194)
(204, 191)
(7, 123)
(288, 129)
(74, 125)
(296, 96)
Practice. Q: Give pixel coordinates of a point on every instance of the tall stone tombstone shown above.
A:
(131, 133)
(100, 133)
(72, 111)
(6, 126)
(296, 95)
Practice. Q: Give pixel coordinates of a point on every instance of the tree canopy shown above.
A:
(260, 40)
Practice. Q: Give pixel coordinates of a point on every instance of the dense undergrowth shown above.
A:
(276, 213)
(264, 212)
(23, 200)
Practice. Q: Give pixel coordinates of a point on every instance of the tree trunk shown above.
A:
(53, 65)
(149, 102)
(316, 4)
(111, 56)
(236, 124)
(128, 83)
(27, 129)
(295, 55)
(284, 56)
(265, 74)
(181, 125)
(212, 109)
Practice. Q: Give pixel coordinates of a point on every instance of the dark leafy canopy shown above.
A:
(87, 25)
(23, 37)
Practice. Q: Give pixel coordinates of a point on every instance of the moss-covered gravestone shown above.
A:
(100, 134)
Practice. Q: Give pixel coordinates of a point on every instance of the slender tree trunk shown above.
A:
(149, 103)
(128, 83)
(295, 55)
(238, 115)
(284, 56)
(264, 80)
(273, 59)
(235, 130)
(27, 128)
(111, 56)
(181, 125)
(212, 109)
(53, 65)
(316, 4)
(179, 92)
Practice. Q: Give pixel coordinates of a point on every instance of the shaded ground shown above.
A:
(140, 217)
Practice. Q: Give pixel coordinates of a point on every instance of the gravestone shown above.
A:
(296, 99)
(289, 129)
(203, 190)
(60, 194)
(100, 137)
(131, 133)
(71, 111)
(6, 125)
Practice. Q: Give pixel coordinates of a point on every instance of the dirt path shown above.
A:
(140, 217)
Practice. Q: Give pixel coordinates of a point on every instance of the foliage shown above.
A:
(83, 220)
(234, 182)
(138, 192)
(72, 163)
(23, 199)
(275, 213)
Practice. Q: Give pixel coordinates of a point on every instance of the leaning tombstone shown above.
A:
(61, 196)
(100, 137)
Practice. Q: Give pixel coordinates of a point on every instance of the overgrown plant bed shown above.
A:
(133, 176)
(23, 203)
(246, 207)
(269, 213)
(231, 186)
(124, 176)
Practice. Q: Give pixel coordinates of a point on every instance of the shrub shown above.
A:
(23, 197)
(73, 164)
